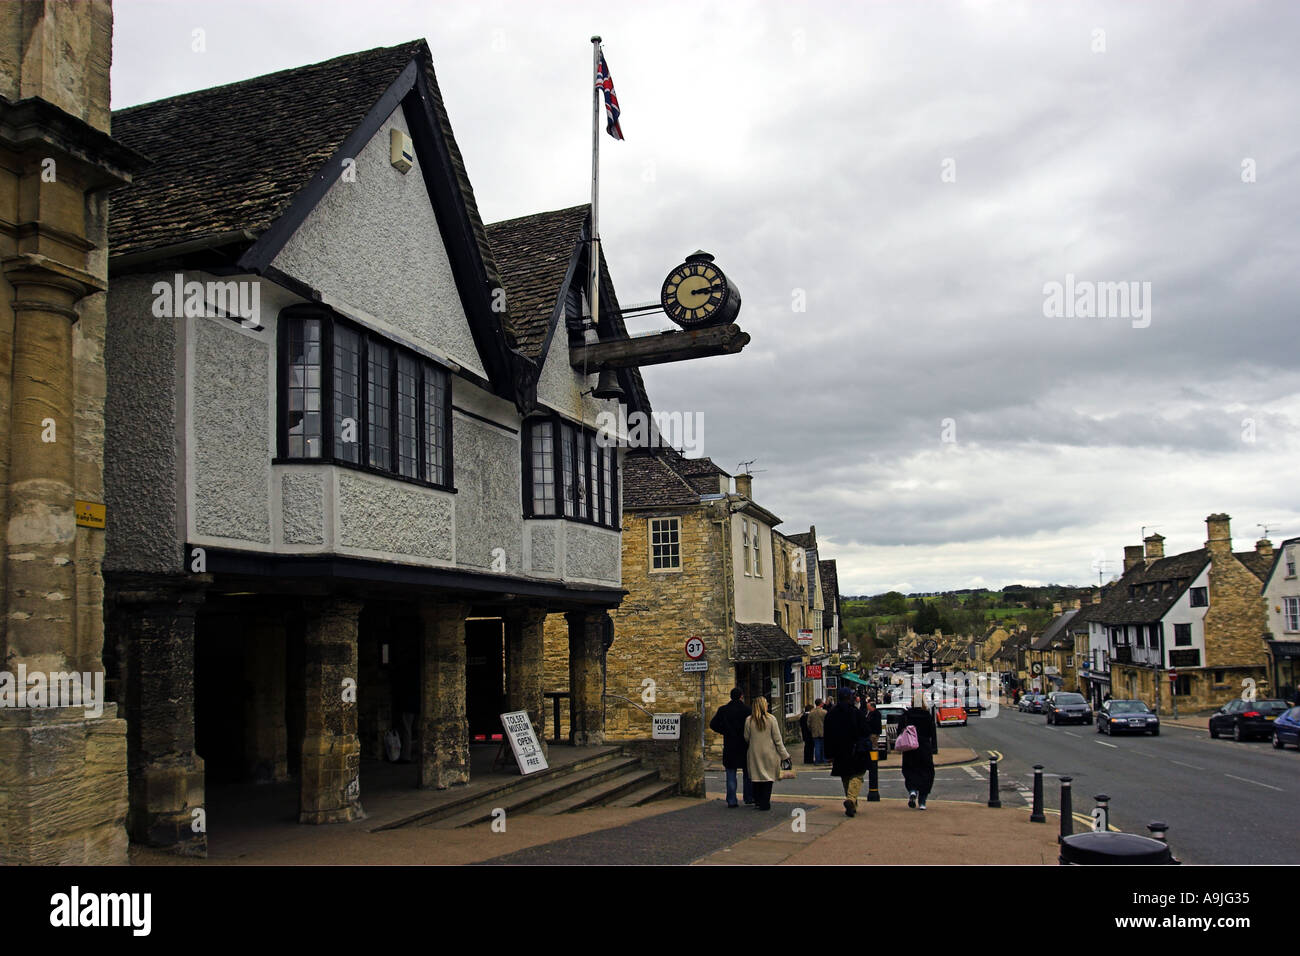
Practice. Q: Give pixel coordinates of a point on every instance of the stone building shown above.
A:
(697, 562)
(63, 781)
(1282, 600)
(1200, 614)
(351, 464)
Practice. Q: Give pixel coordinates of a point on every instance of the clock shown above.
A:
(697, 293)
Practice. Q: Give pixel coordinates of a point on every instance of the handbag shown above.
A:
(787, 770)
(907, 739)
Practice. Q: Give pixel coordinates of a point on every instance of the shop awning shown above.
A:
(853, 679)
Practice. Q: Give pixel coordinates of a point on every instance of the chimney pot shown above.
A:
(1218, 533)
(1264, 547)
(1155, 547)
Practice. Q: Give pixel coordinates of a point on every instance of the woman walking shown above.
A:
(766, 751)
(918, 764)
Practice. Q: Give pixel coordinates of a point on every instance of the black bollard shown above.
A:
(1158, 831)
(1103, 804)
(1067, 809)
(994, 800)
(1037, 815)
(873, 778)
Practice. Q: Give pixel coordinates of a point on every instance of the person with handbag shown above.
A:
(848, 743)
(767, 756)
(918, 742)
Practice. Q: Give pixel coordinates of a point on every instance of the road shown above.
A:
(1224, 802)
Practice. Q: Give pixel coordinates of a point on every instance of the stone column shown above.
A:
(165, 774)
(266, 738)
(331, 752)
(525, 667)
(444, 726)
(586, 677)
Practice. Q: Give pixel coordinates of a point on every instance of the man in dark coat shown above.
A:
(806, 732)
(730, 722)
(847, 744)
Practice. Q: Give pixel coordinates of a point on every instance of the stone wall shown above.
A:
(1236, 621)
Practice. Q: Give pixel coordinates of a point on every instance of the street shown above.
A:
(1224, 802)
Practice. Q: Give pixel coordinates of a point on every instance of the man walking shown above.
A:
(817, 725)
(848, 735)
(806, 732)
(730, 722)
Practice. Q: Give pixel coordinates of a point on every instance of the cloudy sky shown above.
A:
(894, 187)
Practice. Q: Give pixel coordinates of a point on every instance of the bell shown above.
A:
(607, 386)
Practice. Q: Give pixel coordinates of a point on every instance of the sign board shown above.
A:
(523, 741)
(1035, 668)
(832, 681)
(813, 672)
(695, 648)
(90, 515)
(805, 636)
(667, 727)
(694, 667)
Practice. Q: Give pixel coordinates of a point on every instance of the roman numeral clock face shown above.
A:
(693, 293)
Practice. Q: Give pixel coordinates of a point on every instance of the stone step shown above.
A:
(605, 792)
(655, 790)
(502, 790)
(537, 794)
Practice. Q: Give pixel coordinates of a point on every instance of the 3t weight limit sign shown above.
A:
(695, 648)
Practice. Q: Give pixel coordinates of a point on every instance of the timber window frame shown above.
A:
(664, 539)
(569, 473)
(398, 400)
(1291, 614)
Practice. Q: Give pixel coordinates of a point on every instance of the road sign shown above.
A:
(1173, 676)
(805, 636)
(1035, 668)
(695, 648)
(667, 727)
(692, 667)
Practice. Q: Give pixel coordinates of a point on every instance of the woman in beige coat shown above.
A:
(766, 751)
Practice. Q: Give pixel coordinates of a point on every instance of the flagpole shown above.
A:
(593, 284)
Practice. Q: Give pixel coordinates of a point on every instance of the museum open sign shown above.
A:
(667, 727)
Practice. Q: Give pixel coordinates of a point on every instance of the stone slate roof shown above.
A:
(1053, 630)
(804, 540)
(232, 158)
(1256, 563)
(764, 642)
(830, 582)
(1015, 642)
(691, 467)
(1171, 576)
(1086, 614)
(533, 255)
(649, 482)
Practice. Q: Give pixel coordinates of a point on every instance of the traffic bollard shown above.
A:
(1037, 815)
(873, 778)
(1101, 815)
(1158, 831)
(1067, 809)
(994, 801)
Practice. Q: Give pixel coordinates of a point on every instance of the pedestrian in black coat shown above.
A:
(847, 743)
(730, 722)
(806, 732)
(918, 765)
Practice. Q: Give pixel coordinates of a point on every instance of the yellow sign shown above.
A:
(90, 514)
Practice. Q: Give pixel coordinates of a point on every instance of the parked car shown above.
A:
(890, 715)
(1286, 729)
(1245, 719)
(1031, 703)
(1063, 707)
(950, 712)
(1127, 717)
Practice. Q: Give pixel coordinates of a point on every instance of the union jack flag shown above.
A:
(606, 83)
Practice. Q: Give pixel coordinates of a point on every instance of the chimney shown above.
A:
(1132, 556)
(1155, 547)
(1264, 548)
(1056, 607)
(1096, 596)
(1219, 534)
(745, 486)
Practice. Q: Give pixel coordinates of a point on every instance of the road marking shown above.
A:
(1181, 764)
(1255, 782)
(1104, 744)
(1070, 734)
(973, 772)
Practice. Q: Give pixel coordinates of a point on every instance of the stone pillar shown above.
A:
(266, 737)
(331, 752)
(525, 667)
(587, 677)
(165, 774)
(444, 726)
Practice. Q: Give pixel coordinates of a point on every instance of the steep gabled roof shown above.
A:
(804, 540)
(830, 582)
(1053, 631)
(1255, 563)
(1165, 579)
(239, 167)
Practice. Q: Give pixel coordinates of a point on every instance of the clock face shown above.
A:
(694, 292)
